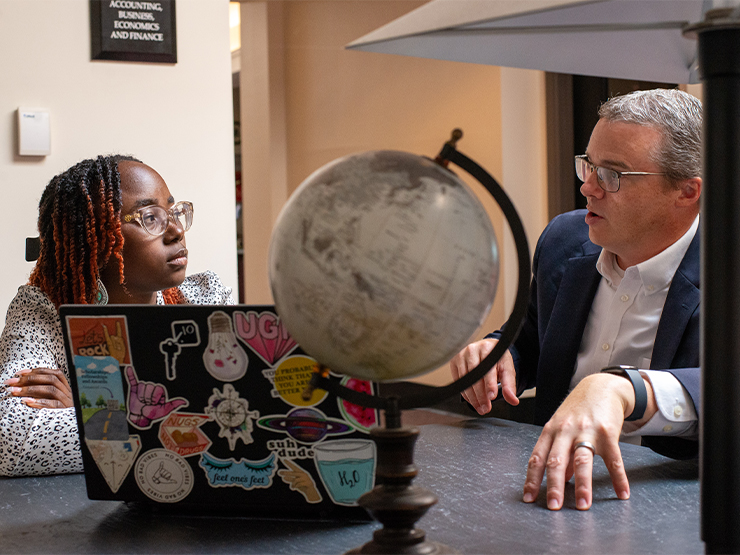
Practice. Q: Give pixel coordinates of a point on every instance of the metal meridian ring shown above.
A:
(587, 445)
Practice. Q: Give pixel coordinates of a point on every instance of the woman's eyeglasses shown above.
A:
(155, 219)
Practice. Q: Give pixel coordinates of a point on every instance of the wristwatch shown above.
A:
(638, 384)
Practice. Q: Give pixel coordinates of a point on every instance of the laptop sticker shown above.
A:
(99, 336)
(148, 402)
(362, 418)
(102, 401)
(232, 414)
(114, 459)
(265, 334)
(306, 425)
(224, 358)
(164, 476)
(180, 432)
(185, 333)
(347, 468)
(292, 377)
(299, 480)
(244, 473)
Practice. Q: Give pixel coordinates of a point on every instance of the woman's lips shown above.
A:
(180, 259)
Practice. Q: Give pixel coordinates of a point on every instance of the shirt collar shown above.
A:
(657, 272)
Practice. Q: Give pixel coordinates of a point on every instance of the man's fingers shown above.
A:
(507, 375)
(583, 465)
(613, 460)
(536, 468)
(558, 461)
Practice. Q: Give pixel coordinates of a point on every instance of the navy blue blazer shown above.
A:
(564, 283)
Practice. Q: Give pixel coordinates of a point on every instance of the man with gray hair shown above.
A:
(611, 338)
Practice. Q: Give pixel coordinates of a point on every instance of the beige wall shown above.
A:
(175, 117)
(306, 101)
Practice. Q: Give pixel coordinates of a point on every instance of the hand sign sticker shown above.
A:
(116, 344)
(148, 402)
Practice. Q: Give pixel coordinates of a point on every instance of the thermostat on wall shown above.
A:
(34, 134)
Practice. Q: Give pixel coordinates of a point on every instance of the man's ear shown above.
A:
(690, 191)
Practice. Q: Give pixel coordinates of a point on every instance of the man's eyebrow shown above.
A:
(610, 164)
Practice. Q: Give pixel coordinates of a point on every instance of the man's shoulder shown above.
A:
(572, 223)
(567, 235)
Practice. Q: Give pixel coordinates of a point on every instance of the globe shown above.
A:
(383, 265)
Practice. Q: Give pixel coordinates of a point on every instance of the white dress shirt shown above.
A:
(621, 329)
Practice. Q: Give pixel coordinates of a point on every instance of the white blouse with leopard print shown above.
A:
(45, 441)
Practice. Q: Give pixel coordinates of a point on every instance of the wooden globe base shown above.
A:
(395, 503)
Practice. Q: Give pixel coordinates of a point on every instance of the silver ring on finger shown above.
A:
(587, 444)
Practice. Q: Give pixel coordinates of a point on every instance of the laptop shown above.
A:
(203, 407)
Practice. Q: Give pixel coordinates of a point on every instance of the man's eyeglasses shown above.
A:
(155, 219)
(606, 178)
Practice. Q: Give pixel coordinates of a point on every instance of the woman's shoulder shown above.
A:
(30, 306)
(206, 288)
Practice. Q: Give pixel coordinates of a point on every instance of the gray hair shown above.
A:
(678, 117)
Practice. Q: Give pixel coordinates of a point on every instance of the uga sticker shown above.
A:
(164, 476)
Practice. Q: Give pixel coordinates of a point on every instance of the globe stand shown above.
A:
(396, 503)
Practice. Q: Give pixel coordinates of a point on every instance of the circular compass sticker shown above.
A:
(164, 476)
(231, 413)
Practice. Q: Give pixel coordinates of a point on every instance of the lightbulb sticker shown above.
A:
(224, 358)
(265, 334)
(232, 414)
(290, 379)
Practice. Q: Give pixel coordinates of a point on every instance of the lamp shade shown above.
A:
(627, 39)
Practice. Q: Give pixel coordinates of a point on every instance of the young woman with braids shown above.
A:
(111, 232)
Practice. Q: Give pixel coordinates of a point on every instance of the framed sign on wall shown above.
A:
(133, 30)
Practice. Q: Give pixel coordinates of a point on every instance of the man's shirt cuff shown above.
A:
(676, 415)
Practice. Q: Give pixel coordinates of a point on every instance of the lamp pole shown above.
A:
(719, 67)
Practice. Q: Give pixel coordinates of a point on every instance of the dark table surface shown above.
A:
(476, 467)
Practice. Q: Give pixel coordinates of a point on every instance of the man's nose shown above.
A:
(591, 188)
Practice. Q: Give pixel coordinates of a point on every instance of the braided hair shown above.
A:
(80, 232)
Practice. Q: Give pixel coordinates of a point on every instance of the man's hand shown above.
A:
(41, 388)
(593, 412)
(484, 391)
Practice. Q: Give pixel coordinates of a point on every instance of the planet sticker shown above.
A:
(307, 425)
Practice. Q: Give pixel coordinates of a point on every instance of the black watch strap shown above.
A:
(638, 384)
